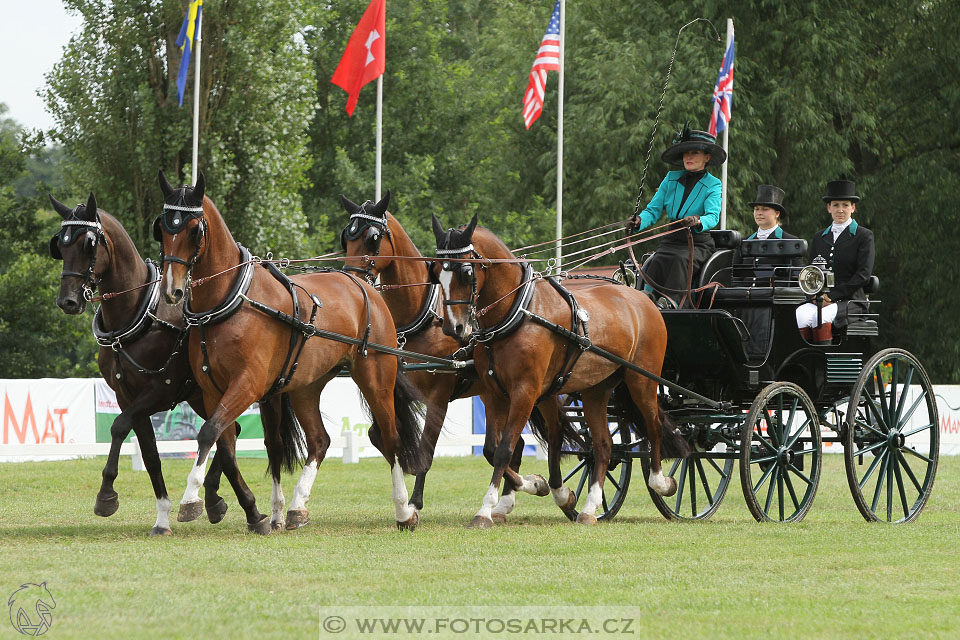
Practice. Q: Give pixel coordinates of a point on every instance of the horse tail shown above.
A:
(293, 440)
(410, 410)
(570, 436)
(672, 444)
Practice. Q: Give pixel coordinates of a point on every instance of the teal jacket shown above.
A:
(703, 201)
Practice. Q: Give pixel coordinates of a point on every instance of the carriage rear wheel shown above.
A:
(892, 438)
(780, 454)
(578, 464)
(702, 481)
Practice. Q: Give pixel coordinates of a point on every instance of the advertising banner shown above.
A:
(47, 411)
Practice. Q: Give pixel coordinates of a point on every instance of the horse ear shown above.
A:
(349, 205)
(90, 213)
(438, 230)
(60, 208)
(165, 186)
(381, 207)
(199, 188)
(468, 231)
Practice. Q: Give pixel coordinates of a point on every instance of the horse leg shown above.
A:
(226, 452)
(307, 408)
(107, 500)
(643, 390)
(215, 506)
(438, 397)
(595, 415)
(521, 403)
(270, 417)
(151, 461)
(562, 496)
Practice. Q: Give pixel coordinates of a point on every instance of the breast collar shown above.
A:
(427, 313)
(142, 321)
(515, 316)
(233, 300)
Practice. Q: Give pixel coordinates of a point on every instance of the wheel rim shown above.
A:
(577, 469)
(781, 454)
(702, 480)
(892, 438)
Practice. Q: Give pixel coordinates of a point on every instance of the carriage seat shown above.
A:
(783, 249)
(718, 266)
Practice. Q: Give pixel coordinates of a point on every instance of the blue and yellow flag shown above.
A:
(186, 39)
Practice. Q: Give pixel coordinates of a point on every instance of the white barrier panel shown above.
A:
(48, 411)
(948, 406)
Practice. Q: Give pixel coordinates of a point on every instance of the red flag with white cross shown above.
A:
(365, 57)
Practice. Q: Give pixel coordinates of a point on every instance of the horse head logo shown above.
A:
(30, 607)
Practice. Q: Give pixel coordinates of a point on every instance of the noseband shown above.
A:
(360, 221)
(67, 236)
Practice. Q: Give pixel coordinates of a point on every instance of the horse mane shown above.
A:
(117, 232)
(210, 209)
(493, 246)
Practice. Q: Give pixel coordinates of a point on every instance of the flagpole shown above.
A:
(726, 141)
(379, 133)
(196, 103)
(563, 18)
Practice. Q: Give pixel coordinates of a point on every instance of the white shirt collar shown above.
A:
(763, 234)
(838, 228)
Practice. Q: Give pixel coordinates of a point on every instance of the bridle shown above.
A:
(90, 280)
(360, 221)
(173, 220)
(463, 271)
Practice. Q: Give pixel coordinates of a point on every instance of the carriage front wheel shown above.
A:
(780, 454)
(891, 438)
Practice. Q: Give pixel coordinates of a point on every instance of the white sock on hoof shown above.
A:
(301, 492)
(489, 500)
(658, 482)
(401, 499)
(194, 482)
(163, 513)
(506, 504)
(561, 495)
(277, 503)
(594, 499)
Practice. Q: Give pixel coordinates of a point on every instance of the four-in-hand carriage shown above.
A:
(782, 400)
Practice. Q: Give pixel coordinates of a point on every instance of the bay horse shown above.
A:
(371, 239)
(142, 354)
(250, 342)
(527, 366)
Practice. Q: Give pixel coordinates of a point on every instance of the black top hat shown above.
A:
(693, 140)
(842, 190)
(769, 196)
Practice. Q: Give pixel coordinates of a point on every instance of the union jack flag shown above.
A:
(723, 93)
(548, 59)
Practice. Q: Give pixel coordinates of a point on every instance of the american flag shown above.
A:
(548, 59)
(723, 93)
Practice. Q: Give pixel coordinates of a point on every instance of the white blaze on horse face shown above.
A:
(401, 498)
(658, 482)
(301, 493)
(163, 514)
(594, 499)
(451, 313)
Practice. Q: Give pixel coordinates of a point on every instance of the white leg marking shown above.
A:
(489, 500)
(594, 499)
(404, 510)
(658, 482)
(561, 495)
(506, 503)
(194, 482)
(276, 504)
(163, 514)
(301, 493)
(529, 485)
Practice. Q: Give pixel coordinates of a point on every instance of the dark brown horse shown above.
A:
(143, 354)
(519, 370)
(244, 350)
(372, 237)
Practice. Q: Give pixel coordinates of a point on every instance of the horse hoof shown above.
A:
(277, 525)
(671, 487)
(160, 531)
(261, 527)
(479, 522)
(569, 508)
(583, 518)
(106, 506)
(216, 511)
(539, 483)
(297, 518)
(190, 511)
(499, 518)
(410, 524)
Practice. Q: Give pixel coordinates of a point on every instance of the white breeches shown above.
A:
(807, 314)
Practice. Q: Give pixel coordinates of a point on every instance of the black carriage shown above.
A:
(782, 400)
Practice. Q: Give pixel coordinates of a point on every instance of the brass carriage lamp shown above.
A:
(815, 278)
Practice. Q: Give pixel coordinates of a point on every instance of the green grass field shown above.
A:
(833, 575)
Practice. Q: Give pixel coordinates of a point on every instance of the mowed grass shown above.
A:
(833, 575)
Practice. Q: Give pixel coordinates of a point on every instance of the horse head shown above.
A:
(461, 281)
(76, 244)
(363, 236)
(181, 229)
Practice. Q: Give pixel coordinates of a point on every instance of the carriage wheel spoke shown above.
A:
(575, 469)
(762, 460)
(611, 479)
(793, 414)
(917, 454)
(867, 425)
(906, 467)
(800, 431)
(683, 477)
(903, 395)
(872, 404)
(892, 392)
(890, 488)
(673, 467)
(884, 407)
(873, 466)
(717, 467)
(583, 480)
(913, 432)
(880, 479)
(903, 494)
(766, 507)
(869, 448)
(916, 403)
(793, 493)
(706, 485)
(780, 495)
(804, 452)
(693, 489)
(800, 473)
(756, 434)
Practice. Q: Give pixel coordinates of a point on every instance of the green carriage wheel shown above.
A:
(702, 482)
(577, 465)
(891, 438)
(780, 454)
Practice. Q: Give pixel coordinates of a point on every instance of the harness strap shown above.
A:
(295, 336)
(574, 350)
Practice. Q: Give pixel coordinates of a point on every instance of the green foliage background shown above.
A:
(823, 90)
